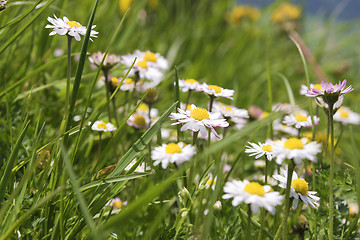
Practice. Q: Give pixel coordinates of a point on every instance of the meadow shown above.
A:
(152, 119)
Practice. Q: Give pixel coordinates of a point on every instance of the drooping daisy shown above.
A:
(299, 189)
(65, 26)
(172, 153)
(261, 149)
(138, 121)
(300, 120)
(252, 193)
(216, 91)
(110, 60)
(102, 127)
(346, 116)
(198, 119)
(296, 149)
(189, 85)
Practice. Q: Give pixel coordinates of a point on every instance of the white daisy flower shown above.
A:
(277, 126)
(304, 88)
(65, 26)
(209, 181)
(153, 59)
(172, 153)
(198, 119)
(138, 121)
(115, 203)
(284, 107)
(139, 169)
(143, 109)
(261, 149)
(102, 127)
(296, 149)
(299, 189)
(300, 120)
(216, 91)
(110, 60)
(189, 84)
(252, 193)
(346, 116)
(230, 111)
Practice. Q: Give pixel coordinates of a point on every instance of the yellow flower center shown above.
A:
(210, 181)
(255, 189)
(129, 81)
(139, 120)
(227, 108)
(293, 143)
(117, 204)
(267, 148)
(191, 81)
(73, 24)
(142, 64)
(199, 114)
(216, 88)
(343, 113)
(300, 186)
(172, 148)
(114, 81)
(264, 115)
(317, 86)
(102, 125)
(300, 118)
(150, 57)
(143, 107)
(124, 5)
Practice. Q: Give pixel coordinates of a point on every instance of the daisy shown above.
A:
(153, 59)
(71, 28)
(189, 85)
(209, 181)
(115, 203)
(299, 189)
(261, 149)
(300, 120)
(216, 91)
(305, 88)
(110, 60)
(229, 111)
(143, 109)
(138, 121)
(139, 169)
(345, 116)
(252, 193)
(198, 119)
(172, 153)
(296, 149)
(329, 93)
(102, 127)
(277, 126)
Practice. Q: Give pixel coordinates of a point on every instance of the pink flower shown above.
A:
(329, 88)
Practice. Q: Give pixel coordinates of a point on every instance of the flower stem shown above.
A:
(331, 180)
(107, 86)
(67, 100)
(248, 231)
(188, 98)
(283, 227)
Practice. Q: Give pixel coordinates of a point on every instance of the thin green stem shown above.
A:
(107, 86)
(248, 230)
(188, 98)
(68, 76)
(331, 180)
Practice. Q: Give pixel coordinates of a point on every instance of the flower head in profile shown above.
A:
(300, 120)
(330, 93)
(216, 91)
(172, 153)
(286, 12)
(66, 27)
(345, 116)
(243, 12)
(229, 111)
(139, 169)
(102, 126)
(296, 149)
(190, 84)
(299, 189)
(252, 193)
(198, 119)
(138, 121)
(209, 181)
(110, 60)
(278, 127)
(261, 149)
